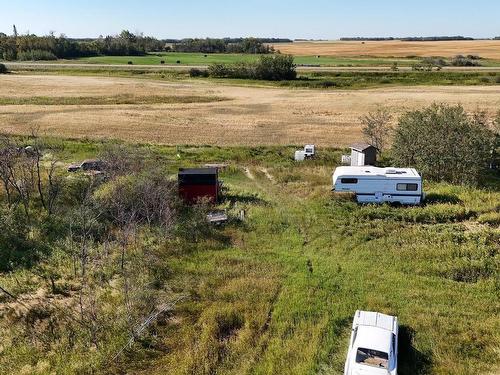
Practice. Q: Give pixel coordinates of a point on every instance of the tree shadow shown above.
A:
(442, 198)
(410, 360)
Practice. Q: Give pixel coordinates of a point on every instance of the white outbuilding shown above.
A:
(363, 154)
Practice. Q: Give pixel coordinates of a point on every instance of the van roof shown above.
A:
(375, 319)
(369, 171)
(374, 338)
(374, 330)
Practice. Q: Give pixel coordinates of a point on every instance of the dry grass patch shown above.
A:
(252, 116)
(484, 48)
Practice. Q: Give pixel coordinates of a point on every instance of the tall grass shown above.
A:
(277, 293)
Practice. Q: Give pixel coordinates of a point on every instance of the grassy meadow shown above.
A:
(275, 294)
(172, 58)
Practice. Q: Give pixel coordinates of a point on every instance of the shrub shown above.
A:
(276, 68)
(3, 69)
(464, 61)
(149, 198)
(444, 144)
(36, 55)
(269, 68)
(194, 72)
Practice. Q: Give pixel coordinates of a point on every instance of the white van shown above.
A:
(379, 185)
(373, 348)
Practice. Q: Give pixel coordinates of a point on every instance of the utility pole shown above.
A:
(15, 31)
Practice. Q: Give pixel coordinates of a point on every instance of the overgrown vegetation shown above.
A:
(445, 143)
(129, 281)
(268, 68)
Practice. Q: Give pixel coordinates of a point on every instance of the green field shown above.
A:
(171, 58)
(274, 294)
(202, 59)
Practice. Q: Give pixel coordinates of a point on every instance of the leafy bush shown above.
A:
(269, 68)
(465, 61)
(36, 55)
(444, 144)
(194, 72)
(149, 198)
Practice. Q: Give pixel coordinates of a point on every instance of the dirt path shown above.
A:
(268, 175)
(253, 115)
(249, 174)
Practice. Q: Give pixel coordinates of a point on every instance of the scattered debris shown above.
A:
(218, 166)
(217, 217)
(87, 166)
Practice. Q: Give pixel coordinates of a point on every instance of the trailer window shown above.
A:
(407, 187)
(349, 180)
(372, 357)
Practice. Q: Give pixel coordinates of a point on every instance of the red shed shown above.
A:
(196, 184)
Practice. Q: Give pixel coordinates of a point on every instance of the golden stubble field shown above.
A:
(252, 115)
(485, 48)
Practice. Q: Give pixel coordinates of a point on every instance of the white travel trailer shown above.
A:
(373, 348)
(379, 185)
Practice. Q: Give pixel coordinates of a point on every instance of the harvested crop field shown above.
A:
(485, 48)
(249, 116)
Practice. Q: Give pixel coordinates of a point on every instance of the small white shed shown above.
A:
(363, 154)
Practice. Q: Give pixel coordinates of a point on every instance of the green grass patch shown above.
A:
(107, 100)
(277, 293)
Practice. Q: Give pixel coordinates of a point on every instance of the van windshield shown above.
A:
(373, 358)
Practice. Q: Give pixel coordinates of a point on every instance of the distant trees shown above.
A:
(50, 47)
(269, 68)
(377, 127)
(444, 143)
(243, 45)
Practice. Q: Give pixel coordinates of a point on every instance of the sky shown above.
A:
(313, 19)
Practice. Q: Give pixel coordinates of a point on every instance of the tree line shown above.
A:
(50, 47)
(208, 45)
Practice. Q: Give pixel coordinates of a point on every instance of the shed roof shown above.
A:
(197, 171)
(361, 146)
